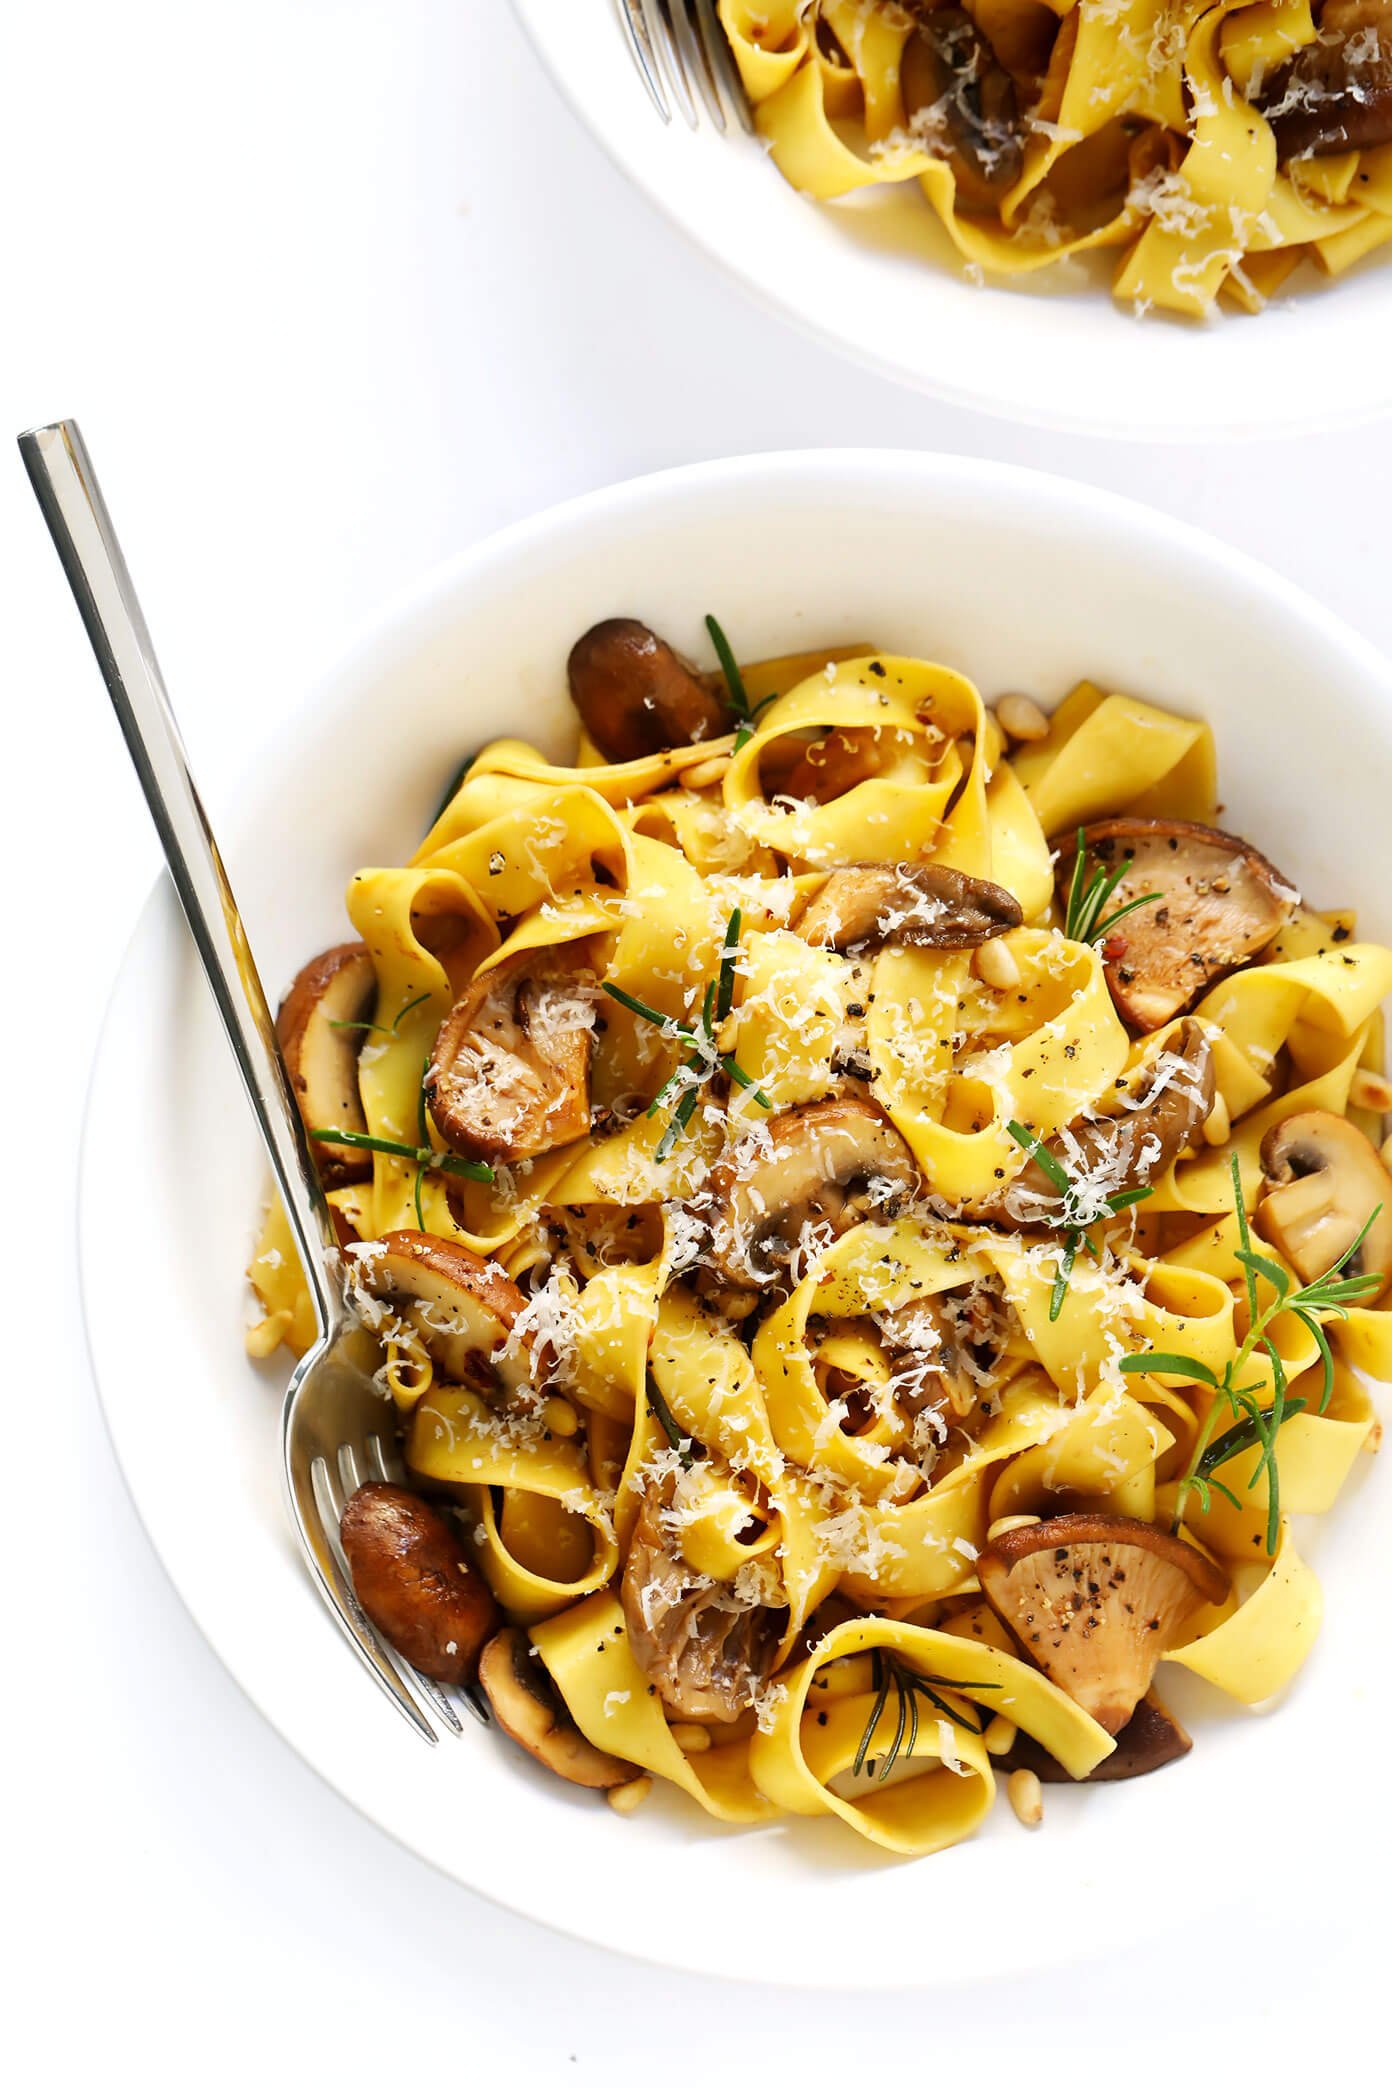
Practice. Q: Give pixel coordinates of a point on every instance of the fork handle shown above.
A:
(63, 479)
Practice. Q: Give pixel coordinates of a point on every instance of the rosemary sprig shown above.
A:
(1088, 895)
(1075, 1236)
(1253, 1425)
(424, 1156)
(889, 1672)
(704, 1056)
(736, 694)
(666, 1421)
(397, 1020)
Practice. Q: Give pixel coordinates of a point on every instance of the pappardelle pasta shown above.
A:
(1214, 147)
(875, 1216)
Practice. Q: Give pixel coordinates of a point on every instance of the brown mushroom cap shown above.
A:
(636, 697)
(1335, 95)
(827, 1164)
(959, 102)
(1130, 1150)
(1219, 904)
(335, 987)
(465, 1309)
(922, 905)
(703, 1648)
(510, 1073)
(944, 1350)
(1323, 1181)
(1150, 1739)
(530, 1709)
(411, 1577)
(1096, 1600)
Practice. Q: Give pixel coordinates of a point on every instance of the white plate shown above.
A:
(877, 277)
(1025, 582)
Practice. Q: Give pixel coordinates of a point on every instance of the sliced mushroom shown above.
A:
(530, 1709)
(1323, 1182)
(1150, 1739)
(959, 102)
(1096, 1600)
(1129, 1151)
(636, 696)
(1218, 904)
(330, 994)
(510, 1073)
(823, 769)
(704, 1648)
(924, 906)
(411, 1577)
(1336, 94)
(822, 1166)
(944, 1354)
(467, 1311)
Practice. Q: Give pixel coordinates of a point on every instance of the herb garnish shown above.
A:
(705, 1058)
(1075, 1236)
(682, 1444)
(1330, 1294)
(736, 694)
(397, 1021)
(1088, 895)
(892, 1673)
(425, 1156)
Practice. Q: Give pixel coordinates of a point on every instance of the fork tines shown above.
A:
(683, 58)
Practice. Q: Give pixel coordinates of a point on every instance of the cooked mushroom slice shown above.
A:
(704, 1648)
(530, 1709)
(466, 1310)
(1336, 94)
(959, 102)
(636, 696)
(411, 1577)
(1220, 903)
(944, 1354)
(322, 1060)
(822, 1166)
(1130, 1150)
(510, 1073)
(1096, 1600)
(1150, 1739)
(1323, 1181)
(924, 905)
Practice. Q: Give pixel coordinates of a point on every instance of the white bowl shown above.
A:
(878, 278)
(1026, 583)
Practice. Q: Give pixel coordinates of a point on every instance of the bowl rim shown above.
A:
(380, 636)
(1328, 418)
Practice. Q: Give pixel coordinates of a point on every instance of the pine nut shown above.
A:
(1368, 1090)
(702, 774)
(559, 1416)
(995, 966)
(1218, 1124)
(1000, 1735)
(1021, 718)
(1003, 1523)
(691, 1739)
(1025, 1795)
(627, 1797)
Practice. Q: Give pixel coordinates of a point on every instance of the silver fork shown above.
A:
(335, 1428)
(683, 58)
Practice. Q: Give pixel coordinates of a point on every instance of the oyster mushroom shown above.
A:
(314, 1024)
(510, 1073)
(944, 1352)
(1128, 1151)
(923, 905)
(959, 103)
(705, 1649)
(1150, 1739)
(1322, 1182)
(411, 1577)
(1096, 1600)
(1336, 94)
(467, 1311)
(635, 696)
(530, 1709)
(1219, 903)
(822, 1165)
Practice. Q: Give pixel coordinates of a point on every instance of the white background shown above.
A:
(336, 289)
